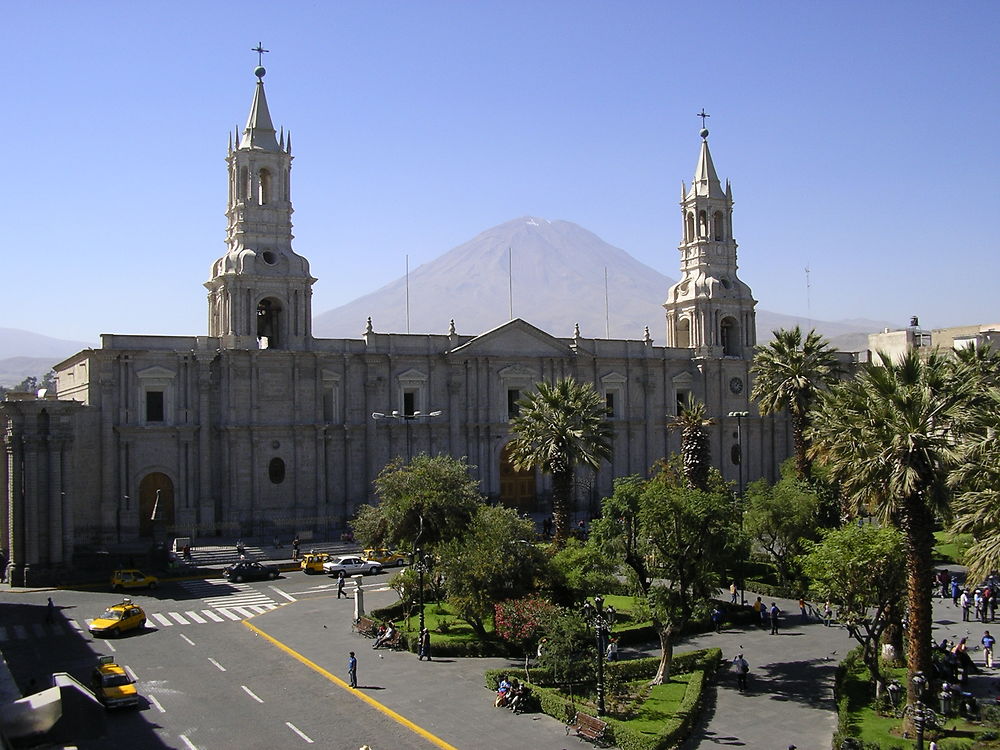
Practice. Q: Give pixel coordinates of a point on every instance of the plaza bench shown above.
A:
(587, 727)
(395, 643)
(366, 626)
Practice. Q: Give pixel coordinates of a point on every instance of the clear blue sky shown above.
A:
(860, 138)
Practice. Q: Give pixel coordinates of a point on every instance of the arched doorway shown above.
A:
(517, 488)
(148, 487)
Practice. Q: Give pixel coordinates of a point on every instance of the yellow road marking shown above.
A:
(434, 740)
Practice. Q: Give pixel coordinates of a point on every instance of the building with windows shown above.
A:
(259, 428)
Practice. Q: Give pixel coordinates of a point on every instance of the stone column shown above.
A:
(359, 597)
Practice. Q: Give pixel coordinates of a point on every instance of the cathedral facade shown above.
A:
(258, 428)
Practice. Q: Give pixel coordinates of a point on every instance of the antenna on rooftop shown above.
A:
(510, 280)
(808, 299)
(607, 316)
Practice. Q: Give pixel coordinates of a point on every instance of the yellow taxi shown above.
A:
(313, 562)
(133, 579)
(112, 684)
(118, 619)
(385, 557)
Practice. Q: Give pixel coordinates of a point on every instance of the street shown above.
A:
(206, 680)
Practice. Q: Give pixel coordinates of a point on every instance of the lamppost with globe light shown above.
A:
(420, 563)
(919, 681)
(600, 618)
(739, 416)
(407, 418)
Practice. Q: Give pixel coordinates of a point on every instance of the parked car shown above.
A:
(385, 557)
(112, 684)
(132, 579)
(313, 562)
(351, 565)
(245, 570)
(118, 619)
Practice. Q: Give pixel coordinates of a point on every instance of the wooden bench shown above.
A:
(395, 643)
(366, 626)
(587, 727)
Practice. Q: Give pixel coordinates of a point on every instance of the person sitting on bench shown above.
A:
(384, 636)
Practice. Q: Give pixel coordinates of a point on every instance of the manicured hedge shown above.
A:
(701, 664)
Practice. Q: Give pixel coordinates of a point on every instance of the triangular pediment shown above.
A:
(156, 373)
(515, 338)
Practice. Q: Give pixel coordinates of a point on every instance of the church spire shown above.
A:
(706, 180)
(259, 132)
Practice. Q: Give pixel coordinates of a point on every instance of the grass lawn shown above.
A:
(624, 607)
(950, 547)
(459, 631)
(661, 704)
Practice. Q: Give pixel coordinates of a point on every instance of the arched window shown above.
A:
(268, 323)
(719, 225)
(729, 334)
(264, 177)
(276, 471)
(244, 186)
(689, 227)
(702, 224)
(682, 334)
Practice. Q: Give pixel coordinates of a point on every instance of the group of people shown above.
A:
(768, 615)
(979, 603)
(511, 694)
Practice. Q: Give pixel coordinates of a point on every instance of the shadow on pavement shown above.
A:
(798, 681)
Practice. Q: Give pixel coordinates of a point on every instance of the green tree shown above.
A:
(781, 519)
(676, 543)
(492, 561)
(887, 437)
(695, 446)
(577, 571)
(425, 503)
(788, 374)
(558, 428)
(863, 569)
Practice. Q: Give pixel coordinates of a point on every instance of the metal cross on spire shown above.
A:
(259, 49)
(701, 114)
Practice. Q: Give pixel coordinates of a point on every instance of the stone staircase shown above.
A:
(219, 556)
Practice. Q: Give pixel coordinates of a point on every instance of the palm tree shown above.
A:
(691, 421)
(558, 428)
(788, 374)
(887, 436)
(977, 507)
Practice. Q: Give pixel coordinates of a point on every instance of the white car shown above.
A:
(351, 565)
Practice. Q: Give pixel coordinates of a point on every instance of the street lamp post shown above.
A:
(918, 714)
(739, 416)
(406, 418)
(600, 619)
(421, 566)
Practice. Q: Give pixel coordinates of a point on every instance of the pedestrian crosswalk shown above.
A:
(225, 602)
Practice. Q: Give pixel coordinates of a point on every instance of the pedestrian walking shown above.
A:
(295, 547)
(50, 612)
(774, 618)
(802, 610)
(827, 613)
(963, 602)
(717, 619)
(955, 590)
(988, 642)
(761, 610)
(732, 592)
(742, 668)
(352, 669)
(424, 650)
(341, 580)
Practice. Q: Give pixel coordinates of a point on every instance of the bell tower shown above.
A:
(709, 309)
(260, 291)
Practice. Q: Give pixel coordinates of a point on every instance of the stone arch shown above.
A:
(156, 491)
(689, 227)
(264, 185)
(729, 336)
(269, 321)
(718, 226)
(517, 488)
(702, 224)
(682, 334)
